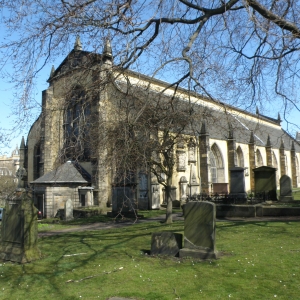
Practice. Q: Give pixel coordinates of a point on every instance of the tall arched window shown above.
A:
(76, 125)
(213, 168)
(259, 159)
(36, 161)
(297, 172)
(275, 165)
(216, 165)
(240, 157)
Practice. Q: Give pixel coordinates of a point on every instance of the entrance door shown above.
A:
(41, 204)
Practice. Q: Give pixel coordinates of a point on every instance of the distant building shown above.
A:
(10, 164)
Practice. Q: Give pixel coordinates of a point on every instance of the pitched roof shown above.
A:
(69, 172)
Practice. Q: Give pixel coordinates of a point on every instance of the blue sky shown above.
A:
(8, 119)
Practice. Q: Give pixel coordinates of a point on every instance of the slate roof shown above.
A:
(69, 172)
(218, 128)
(219, 121)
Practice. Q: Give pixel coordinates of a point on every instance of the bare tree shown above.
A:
(8, 186)
(239, 51)
(146, 130)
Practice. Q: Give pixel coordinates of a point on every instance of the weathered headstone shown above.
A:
(194, 184)
(19, 232)
(183, 189)
(199, 230)
(124, 200)
(265, 182)
(143, 191)
(220, 188)
(155, 199)
(166, 243)
(286, 189)
(237, 184)
(68, 210)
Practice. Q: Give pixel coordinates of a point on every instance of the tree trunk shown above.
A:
(169, 201)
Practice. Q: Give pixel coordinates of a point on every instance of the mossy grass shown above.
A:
(260, 260)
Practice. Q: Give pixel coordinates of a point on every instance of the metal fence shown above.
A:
(228, 199)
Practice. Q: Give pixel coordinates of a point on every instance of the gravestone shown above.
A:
(166, 243)
(194, 184)
(19, 232)
(143, 191)
(183, 190)
(68, 210)
(155, 199)
(237, 184)
(286, 189)
(199, 230)
(265, 182)
(220, 188)
(124, 200)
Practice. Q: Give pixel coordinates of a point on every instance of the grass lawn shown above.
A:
(261, 260)
(296, 194)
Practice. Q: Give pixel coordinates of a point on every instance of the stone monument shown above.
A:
(155, 199)
(183, 190)
(286, 189)
(68, 210)
(19, 232)
(265, 182)
(199, 230)
(166, 243)
(237, 184)
(124, 200)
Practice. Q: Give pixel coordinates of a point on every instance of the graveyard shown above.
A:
(208, 252)
(257, 259)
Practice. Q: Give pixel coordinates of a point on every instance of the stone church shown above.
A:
(79, 90)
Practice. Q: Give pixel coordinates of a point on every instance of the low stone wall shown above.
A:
(243, 211)
(279, 211)
(252, 211)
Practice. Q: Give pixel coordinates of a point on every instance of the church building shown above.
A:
(65, 160)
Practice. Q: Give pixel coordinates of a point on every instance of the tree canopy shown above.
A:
(241, 52)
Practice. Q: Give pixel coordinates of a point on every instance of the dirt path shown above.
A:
(178, 216)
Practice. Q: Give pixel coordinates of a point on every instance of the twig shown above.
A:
(73, 254)
(92, 276)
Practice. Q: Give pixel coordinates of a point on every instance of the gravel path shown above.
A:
(178, 216)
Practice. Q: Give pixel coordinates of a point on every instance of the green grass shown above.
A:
(56, 224)
(261, 260)
(296, 194)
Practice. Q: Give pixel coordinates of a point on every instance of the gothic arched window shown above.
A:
(259, 159)
(216, 165)
(36, 161)
(76, 125)
(275, 165)
(240, 157)
(297, 172)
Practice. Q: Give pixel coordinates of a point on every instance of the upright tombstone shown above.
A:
(155, 199)
(166, 243)
(265, 182)
(143, 192)
(286, 189)
(183, 189)
(68, 210)
(19, 232)
(124, 200)
(199, 230)
(124, 194)
(237, 184)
